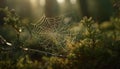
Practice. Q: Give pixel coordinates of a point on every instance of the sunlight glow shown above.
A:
(33, 3)
(60, 1)
(42, 2)
(73, 1)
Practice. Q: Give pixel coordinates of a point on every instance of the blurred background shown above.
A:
(99, 9)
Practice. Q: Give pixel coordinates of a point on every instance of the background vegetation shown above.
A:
(79, 39)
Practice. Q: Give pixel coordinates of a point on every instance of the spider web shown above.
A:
(51, 33)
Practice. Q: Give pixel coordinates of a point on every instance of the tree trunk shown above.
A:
(83, 7)
(2, 3)
(51, 8)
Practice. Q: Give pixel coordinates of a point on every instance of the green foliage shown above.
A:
(10, 24)
(97, 49)
(116, 6)
(90, 46)
(9, 16)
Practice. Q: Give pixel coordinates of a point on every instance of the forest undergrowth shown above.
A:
(87, 44)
